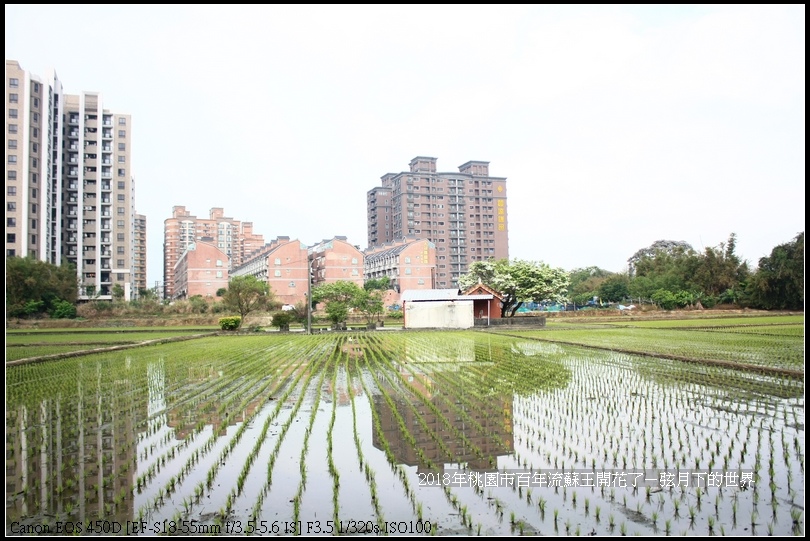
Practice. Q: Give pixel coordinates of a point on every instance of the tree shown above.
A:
(383, 284)
(247, 294)
(720, 269)
(778, 283)
(34, 286)
(370, 304)
(518, 281)
(117, 292)
(657, 249)
(584, 284)
(337, 297)
(615, 288)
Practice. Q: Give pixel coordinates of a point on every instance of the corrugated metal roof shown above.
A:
(429, 294)
(439, 295)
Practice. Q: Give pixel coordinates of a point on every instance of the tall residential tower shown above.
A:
(234, 238)
(463, 213)
(69, 185)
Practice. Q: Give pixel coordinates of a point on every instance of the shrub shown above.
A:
(395, 314)
(230, 323)
(63, 310)
(282, 320)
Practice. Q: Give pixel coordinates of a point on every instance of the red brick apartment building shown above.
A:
(283, 265)
(235, 238)
(334, 260)
(201, 270)
(409, 263)
(464, 213)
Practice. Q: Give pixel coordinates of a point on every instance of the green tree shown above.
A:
(584, 284)
(31, 281)
(337, 297)
(615, 288)
(518, 281)
(778, 283)
(117, 292)
(147, 294)
(383, 284)
(370, 304)
(719, 269)
(247, 294)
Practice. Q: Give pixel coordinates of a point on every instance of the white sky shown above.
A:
(615, 126)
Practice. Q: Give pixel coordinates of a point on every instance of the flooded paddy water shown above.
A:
(425, 433)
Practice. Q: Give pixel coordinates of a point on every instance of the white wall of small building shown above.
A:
(439, 315)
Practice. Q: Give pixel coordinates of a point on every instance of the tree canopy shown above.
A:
(779, 281)
(34, 287)
(247, 294)
(337, 297)
(518, 281)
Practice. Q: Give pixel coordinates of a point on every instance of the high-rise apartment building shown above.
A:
(236, 240)
(139, 255)
(463, 213)
(69, 186)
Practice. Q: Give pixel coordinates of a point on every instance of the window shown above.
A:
(11, 222)
(120, 276)
(36, 87)
(13, 98)
(122, 146)
(34, 193)
(34, 208)
(120, 237)
(11, 205)
(120, 224)
(122, 197)
(219, 262)
(354, 261)
(408, 270)
(13, 82)
(122, 159)
(12, 175)
(12, 113)
(12, 128)
(122, 121)
(35, 117)
(33, 239)
(219, 274)
(120, 250)
(11, 237)
(12, 190)
(12, 159)
(119, 262)
(121, 184)
(121, 173)
(121, 211)
(122, 133)
(10, 253)
(34, 178)
(277, 261)
(12, 144)
(277, 273)
(33, 224)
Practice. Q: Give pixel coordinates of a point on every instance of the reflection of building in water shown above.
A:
(185, 420)
(74, 456)
(486, 425)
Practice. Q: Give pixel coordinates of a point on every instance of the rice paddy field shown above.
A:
(586, 428)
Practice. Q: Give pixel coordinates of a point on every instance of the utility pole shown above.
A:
(309, 295)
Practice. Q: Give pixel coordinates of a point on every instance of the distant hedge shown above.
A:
(230, 323)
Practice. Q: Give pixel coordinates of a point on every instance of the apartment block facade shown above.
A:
(235, 238)
(69, 186)
(201, 270)
(139, 254)
(283, 265)
(464, 213)
(409, 263)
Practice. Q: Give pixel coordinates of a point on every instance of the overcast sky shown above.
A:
(615, 126)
